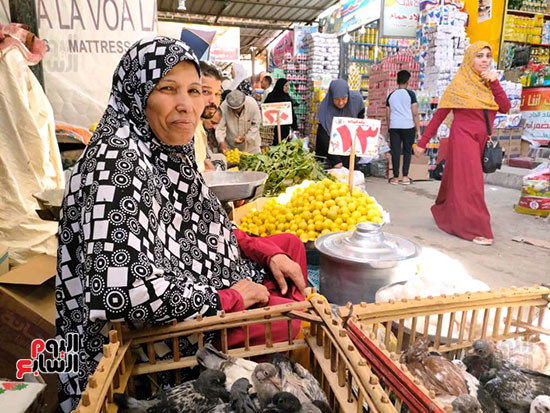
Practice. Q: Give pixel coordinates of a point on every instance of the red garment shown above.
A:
(460, 207)
(260, 250)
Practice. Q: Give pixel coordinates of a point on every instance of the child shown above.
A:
(404, 125)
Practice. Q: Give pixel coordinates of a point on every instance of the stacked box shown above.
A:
(295, 68)
(441, 42)
(323, 63)
(383, 80)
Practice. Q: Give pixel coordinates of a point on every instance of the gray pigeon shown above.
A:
(266, 382)
(297, 380)
(283, 402)
(200, 395)
(240, 399)
(513, 388)
(234, 368)
(466, 403)
(488, 404)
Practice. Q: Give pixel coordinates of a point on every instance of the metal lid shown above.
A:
(367, 244)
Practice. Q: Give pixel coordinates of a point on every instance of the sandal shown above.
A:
(482, 241)
(394, 181)
(407, 182)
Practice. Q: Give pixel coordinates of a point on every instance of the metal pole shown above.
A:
(24, 12)
(253, 60)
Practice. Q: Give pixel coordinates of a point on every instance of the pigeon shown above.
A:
(435, 372)
(488, 404)
(472, 384)
(283, 402)
(200, 395)
(297, 380)
(240, 399)
(541, 404)
(234, 368)
(266, 382)
(466, 403)
(513, 388)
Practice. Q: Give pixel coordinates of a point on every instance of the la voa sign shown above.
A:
(86, 39)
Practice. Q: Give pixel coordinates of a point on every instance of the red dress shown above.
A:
(260, 250)
(460, 207)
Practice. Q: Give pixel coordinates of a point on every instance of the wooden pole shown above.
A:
(352, 163)
(278, 127)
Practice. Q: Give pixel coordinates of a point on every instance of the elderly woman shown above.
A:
(142, 238)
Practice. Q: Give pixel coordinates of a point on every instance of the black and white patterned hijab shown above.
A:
(142, 238)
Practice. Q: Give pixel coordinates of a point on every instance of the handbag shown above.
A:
(438, 171)
(492, 153)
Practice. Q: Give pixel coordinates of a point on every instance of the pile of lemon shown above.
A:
(234, 155)
(321, 208)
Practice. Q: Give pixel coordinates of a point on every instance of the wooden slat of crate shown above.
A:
(191, 361)
(219, 320)
(382, 312)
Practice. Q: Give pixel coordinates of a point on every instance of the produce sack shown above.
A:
(535, 192)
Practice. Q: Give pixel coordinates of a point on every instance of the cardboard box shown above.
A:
(4, 262)
(240, 212)
(18, 396)
(27, 311)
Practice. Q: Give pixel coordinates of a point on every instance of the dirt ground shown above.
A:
(504, 264)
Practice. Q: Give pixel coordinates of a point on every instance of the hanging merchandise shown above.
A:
(323, 65)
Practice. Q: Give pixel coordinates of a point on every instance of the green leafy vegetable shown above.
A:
(286, 164)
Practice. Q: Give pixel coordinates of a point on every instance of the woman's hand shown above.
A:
(252, 293)
(283, 267)
(490, 75)
(418, 151)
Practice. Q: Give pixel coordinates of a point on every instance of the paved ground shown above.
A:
(506, 263)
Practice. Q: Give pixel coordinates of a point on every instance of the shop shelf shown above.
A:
(374, 44)
(362, 60)
(527, 43)
(527, 13)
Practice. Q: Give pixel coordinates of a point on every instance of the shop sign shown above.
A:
(300, 34)
(282, 110)
(226, 44)
(356, 13)
(85, 43)
(535, 109)
(400, 18)
(284, 46)
(365, 132)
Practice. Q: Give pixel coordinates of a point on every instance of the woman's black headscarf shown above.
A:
(278, 94)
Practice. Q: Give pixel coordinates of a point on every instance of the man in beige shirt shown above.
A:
(211, 82)
(240, 125)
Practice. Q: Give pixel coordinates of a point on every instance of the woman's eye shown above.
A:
(167, 88)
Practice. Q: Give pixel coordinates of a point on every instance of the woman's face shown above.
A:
(286, 87)
(175, 105)
(482, 60)
(340, 102)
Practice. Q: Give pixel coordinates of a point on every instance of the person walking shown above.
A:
(474, 93)
(280, 94)
(240, 125)
(340, 102)
(404, 125)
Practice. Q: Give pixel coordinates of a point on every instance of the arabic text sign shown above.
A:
(400, 18)
(344, 130)
(535, 109)
(355, 13)
(270, 110)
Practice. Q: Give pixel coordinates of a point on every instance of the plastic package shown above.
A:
(535, 192)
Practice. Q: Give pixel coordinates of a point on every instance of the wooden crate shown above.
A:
(343, 373)
(459, 320)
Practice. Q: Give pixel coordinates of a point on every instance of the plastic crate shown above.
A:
(345, 377)
(382, 331)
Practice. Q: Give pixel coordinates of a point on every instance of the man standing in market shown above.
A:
(211, 82)
(404, 125)
(267, 83)
(240, 125)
